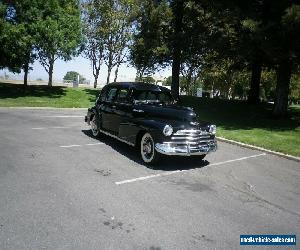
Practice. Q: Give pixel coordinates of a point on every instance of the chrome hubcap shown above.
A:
(147, 147)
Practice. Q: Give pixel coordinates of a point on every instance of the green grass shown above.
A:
(252, 124)
(16, 95)
(236, 120)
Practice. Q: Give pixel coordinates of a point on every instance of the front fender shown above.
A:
(131, 131)
(155, 128)
(151, 125)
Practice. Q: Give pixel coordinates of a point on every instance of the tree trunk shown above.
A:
(108, 74)
(282, 89)
(255, 81)
(51, 64)
(96, 74)
(189, 81)
(178, 13)
(116, 73)
(141, 73)
(26, 69)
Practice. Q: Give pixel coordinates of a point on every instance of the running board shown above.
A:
(116, 137)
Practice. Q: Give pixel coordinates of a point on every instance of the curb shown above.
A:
(43, 108)
(290, 157)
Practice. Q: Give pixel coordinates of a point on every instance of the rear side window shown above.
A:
(111, 94)
(122, 95)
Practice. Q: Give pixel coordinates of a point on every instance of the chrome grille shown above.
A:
(192, 137)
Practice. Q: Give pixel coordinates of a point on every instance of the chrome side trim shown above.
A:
(138, 110)
(116, 137)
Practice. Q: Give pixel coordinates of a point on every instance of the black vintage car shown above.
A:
(146, 116)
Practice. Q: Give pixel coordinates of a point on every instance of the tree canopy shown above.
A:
(46, 30)
(226, 42)
(235, 49)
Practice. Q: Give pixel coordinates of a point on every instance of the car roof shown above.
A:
(139, 86)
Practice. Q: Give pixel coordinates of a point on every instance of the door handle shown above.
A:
(113, 106)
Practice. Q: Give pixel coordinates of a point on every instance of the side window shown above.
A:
(164, 97)
(111, 94)
(122, 95)
(151, 96)
(102, 95)
(140, 95)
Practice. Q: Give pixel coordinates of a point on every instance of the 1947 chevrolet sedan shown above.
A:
(146, 116)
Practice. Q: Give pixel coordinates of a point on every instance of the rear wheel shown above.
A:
(94, 126)
(147, 149)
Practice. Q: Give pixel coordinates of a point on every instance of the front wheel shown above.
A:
(94, 127)
(147, 149)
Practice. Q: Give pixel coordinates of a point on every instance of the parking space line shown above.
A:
(78, 145)
(57, 127)
(62, 116)
(182, 171)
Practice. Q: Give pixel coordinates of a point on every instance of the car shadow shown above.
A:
(167, 163)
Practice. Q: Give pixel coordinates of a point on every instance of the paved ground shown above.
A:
(62, 189)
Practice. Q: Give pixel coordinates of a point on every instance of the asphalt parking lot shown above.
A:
(62, 189)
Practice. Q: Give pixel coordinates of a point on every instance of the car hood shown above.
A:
(175, 114)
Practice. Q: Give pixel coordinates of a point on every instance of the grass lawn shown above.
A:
(15, 95)
(235, 120)
(250, 124)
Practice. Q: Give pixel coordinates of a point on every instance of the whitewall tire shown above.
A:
(147, 149)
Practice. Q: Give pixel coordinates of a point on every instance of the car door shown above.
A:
(123, 111)
(107, 110)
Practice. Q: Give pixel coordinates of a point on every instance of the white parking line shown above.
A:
(40, 128)
(182, 171)
(77, 145)
(62, 116)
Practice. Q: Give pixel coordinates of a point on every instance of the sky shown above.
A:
(83, 67)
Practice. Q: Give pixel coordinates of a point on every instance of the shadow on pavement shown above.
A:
(167, 163)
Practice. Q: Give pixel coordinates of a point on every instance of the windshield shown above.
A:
(148, 96)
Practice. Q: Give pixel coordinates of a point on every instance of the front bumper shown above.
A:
(169, 148)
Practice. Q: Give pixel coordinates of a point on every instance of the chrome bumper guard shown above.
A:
(169, 148)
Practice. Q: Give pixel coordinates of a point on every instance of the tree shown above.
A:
(272, 28)
(177, 38)
(283, 46)
(18, 36)
(72, 76)
(118, 26)
(94, 34)
(196, 44)
(149, 50)
(59, 33)
(145, 79)
(295, 88)
(107, 30)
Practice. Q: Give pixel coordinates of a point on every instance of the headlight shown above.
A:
(168, 130)
(213, 129)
